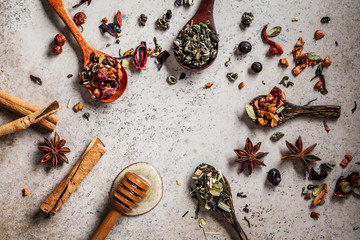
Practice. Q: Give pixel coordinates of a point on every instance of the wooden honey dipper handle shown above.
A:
(130, 190)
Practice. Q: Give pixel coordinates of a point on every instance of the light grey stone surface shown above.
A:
(178, 127)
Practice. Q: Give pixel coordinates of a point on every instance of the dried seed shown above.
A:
(178, 182)
(241, 85)
(36, 80)
(78, 107)
(274, 31)
(294, 19)
(25, 192)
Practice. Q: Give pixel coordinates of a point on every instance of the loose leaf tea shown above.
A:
(325, 19)
(313, 56)
(274, 31)
(164, 22)
(179, 3)
(171, 80)
(196, 44)
(142, 19)
(232, 76)
(277, 136)
(157, 49)
(36, 80)
(247, 18)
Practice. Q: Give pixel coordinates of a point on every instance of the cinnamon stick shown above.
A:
(25, 122)
(68, 185)
(23, 108)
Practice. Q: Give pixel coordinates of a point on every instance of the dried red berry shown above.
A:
(57, 49)
(79, 18)
(60, 39)
(273, 50)
(101, 74)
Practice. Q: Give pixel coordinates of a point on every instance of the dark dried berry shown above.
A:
(325, 19)
(60, 39)
(256, 67)
(274, 177)
(245, 47)
(57, 49)
(79, 18)
(273, 50)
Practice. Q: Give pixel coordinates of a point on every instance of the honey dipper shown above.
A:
(131, 189)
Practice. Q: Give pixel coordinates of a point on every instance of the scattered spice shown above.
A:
(232, 76)
(354, 108)
(161, 58)
(249, 156)
(164, 22)
(108, 45)
(36, 80)
(329, 165)
(114, 29)
(327, 129)
(269, 109)
(185, 213)
(102, 76)
(346, 160)
(78, 107)
(314, 215)
(274, 47)
(319, 194)
(256, 67)
(87, 116)
(57, 49)
(178, 182)
(25, 192)
(277, 136)
(246, 19)
(227, 63)
(319, 34)
(68, 105)
(241, 85)
(322, 85)
(79, 18)
(140, 56)
(70, 75)
(302, 154)
(119, 18)
(304, 191)
(311, 186)
(316, 176)
(104, 20)
(179, 3)
(171, 80)
(149, 52)
(196, 44)
(274, 31)
(209, 85)
(345, 186)
(202, 223)
(142, 19)
(308, 196)
(310, 102)
(274, 177)
(60, 39)
(294, 19)
(325, 19)
(241, 194)
(117, 41)
(248, 221)
(157, 49)
(284, 61)
(55, 150)
(246, 208)
(182, 76)
(284, 83)
(82, 2)
(300, 42)
(244, 47)
(327, 62)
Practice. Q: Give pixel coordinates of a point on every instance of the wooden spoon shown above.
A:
(204, 13)
(87, 49)
(292, 110)
(128, 193)
(229, 216)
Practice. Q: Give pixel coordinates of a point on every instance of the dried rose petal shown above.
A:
(119, 18)
(162, 58)
(140, 56)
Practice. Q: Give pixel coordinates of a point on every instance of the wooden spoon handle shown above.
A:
(61, 10)
(327, 111)
(106, 225)
(237, 227)
(205, 12)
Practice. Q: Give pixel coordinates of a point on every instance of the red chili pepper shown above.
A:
(271, 43)
(119, 18)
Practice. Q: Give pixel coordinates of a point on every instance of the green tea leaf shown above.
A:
(215, 192)
(218, 185)
(274, 31)
(224, 207)
(313, 56)
(346, 187)
(250, 111)
(357, 191)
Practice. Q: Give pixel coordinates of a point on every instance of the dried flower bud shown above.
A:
(25, 192)
(284, 62)
(319, 34)
(79, 18)
(241, 85)
(101, 74)
(326, 62)
(78, 107)
(60, 39)
(57, 49)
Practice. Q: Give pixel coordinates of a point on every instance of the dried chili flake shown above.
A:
(161, 58)
(119, 18)
(314, 215)
(140, 56)
(273, 45)
(81, 3)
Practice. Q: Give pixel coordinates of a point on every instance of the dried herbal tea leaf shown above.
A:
(325, 19)
(164, 22)
(182, 76)
(227, 63)
(329, 165)
(36, 80)
(346, 187)
(87, 116)
(319, 70)
(171, 80)
(70, 75)
(318, 189)
(313, 56)
(232, 76)
(274, 31)
(277, 136)
(202, 223)
(247, 18)
(250, 111)
(142, 19)
(354, 108)
(356, 191)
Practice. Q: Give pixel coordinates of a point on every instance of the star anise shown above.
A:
(299, 153)
(249, 156)
(55, 150)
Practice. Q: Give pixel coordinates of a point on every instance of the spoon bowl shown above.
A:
(204, 13)
(291, 111)
(87, 49)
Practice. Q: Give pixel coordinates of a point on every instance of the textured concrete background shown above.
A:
(177, 127)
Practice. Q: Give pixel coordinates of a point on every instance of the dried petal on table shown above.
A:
(319, 34)
(119, 18)
(241, 85)
(161, 58)
(327, 129)
(209, 85)
(78, 107)
(300, 42)
(284, 62)
(140, 56)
